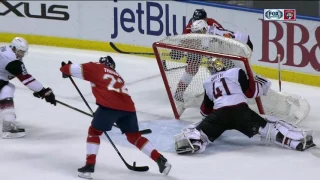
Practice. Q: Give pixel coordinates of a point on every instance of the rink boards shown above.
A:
(134, 26)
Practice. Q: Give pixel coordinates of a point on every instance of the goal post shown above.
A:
(184, 62)
(158, 45)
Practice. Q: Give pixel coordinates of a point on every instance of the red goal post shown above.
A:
(193, 53)
(162, 49)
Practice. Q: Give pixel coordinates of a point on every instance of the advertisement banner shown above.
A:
(141, 23)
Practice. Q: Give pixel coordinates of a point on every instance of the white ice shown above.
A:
(55, 143)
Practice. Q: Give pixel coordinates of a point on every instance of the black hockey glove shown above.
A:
(62, 64)
(47, 94)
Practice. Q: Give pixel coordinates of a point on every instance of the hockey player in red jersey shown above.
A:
(200, 14)
(114, 106)
(11, 66)
(225, 107)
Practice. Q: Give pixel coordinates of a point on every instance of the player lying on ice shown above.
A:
(194, 60)
(225, 107)
(114, 106)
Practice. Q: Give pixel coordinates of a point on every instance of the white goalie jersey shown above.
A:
(230, 88)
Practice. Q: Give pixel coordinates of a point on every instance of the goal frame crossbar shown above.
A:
(157, 45)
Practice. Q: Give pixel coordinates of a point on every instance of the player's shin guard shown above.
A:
(9, 129)
(286, 135)
(93, 143)
(147, 148)
(183, 84)
(181, 88)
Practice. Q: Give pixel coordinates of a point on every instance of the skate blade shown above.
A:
(85, 175)
(8, 135)
(167, 169)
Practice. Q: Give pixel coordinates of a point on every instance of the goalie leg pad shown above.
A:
(286, 135)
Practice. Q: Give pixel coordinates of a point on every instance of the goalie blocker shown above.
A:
(225, 107)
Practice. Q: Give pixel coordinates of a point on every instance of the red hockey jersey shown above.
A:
(108, 87)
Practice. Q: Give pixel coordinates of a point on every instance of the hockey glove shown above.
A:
(264, 83)
(47, 94)
(62, 64)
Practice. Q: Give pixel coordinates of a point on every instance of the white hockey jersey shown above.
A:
(228, 88)
(10, 67)
(242, 37)
(224, 89)
(6, 56)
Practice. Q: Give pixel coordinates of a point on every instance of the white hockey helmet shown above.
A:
(21, 47)
(199, 26)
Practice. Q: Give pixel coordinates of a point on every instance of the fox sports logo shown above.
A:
(273, 14)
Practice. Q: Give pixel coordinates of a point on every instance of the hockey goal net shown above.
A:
(194, 53)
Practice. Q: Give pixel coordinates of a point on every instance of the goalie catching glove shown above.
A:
(47, 94)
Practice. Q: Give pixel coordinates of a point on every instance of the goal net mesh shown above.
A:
(185, 62)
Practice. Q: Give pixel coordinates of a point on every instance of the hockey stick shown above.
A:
(76, 109)
(114, 47)
(134, 167)
(145, 131)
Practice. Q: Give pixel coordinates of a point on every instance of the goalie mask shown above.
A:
(215, 65)
(108, 61)
(199, 27)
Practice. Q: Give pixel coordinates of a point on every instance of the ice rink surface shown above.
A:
(54, 146)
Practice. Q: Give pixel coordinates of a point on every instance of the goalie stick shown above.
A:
(145, 131)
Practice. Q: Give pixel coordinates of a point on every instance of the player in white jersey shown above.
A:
(194, 60)
(225, 107)
(11, 66)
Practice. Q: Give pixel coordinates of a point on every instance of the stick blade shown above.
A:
(146, 131)
(138, 168)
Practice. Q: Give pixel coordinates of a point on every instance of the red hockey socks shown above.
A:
(93, 143)
(143, 144)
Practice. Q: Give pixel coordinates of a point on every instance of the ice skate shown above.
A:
(11, 131)
(164, 166)
(86, 171)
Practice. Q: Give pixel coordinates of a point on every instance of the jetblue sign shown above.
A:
(149, 18)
